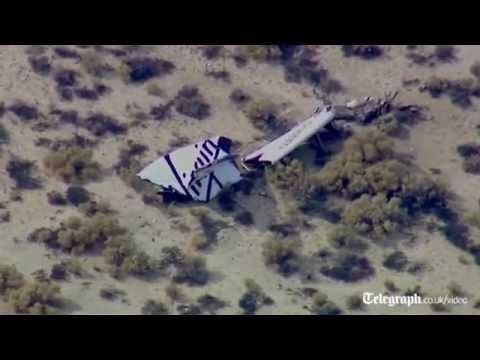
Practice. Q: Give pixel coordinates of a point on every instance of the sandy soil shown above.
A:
(238, 253)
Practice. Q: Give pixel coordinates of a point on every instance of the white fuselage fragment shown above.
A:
(285, 144)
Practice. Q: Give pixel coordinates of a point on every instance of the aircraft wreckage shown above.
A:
(202, 170)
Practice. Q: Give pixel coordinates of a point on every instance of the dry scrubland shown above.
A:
(392, 207)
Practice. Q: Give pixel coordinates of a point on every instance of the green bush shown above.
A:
(20, 171)
(345, 238)
(290, 177)
(10, 279)
(346, 172)
(263, 114)
(254, 298)
(322, 306)
(282, 253)
(4, 135)
(192, 271)
(471, 164)
(122, 253)
(154, 307)
(389, 125)
(375, 215)
(347, 267)
(355, 302)
(38, 298)
(73, 165)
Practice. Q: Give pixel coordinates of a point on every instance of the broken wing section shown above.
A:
(222, 174)
(160, 173)
(285, 144)
(178, 171)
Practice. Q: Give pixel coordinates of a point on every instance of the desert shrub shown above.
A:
(344, 238)
(366, 166)
(226, 200)
(345, 173)
(43, 235)
(155, 90)
(439, 307)
(254, 298)
(244, 218)
(375, 215)
(259, 53)
(210, 304)
(263, 114)
(78, 236)
(397, 261)
(473, 219)
(174, 293)
(139, 263)
(290, 177)
(300, 64)
(219, 75)
(154, 307)
(100, 124)
(66, 53)
(122, 253)
(322, 306)
(239, 97)
(189, 309)
(389, 125)
(459, 91)
(468, 149)
(445, 53)
(65, 78)
(70, 117)
(95, 65)
(212, 52)
(347, 267)
(92, 208)
(436, 86)
(111, 293)
(457, 234)
(73, 165)
(144, 68)
(129, 154)
(172, 256)
(64, 269)
(77, 195)
(40, 65)
(390, 286)
(470, 152)
(355, 302)
(475, 70)
(86, 93)
(471, 164)
(192, 271)
(365, 52)
(23, 111)
(10, 279)
(4, 216)
(37, 298)
(283, 229)
(190, 102)
(56, 198)
(162, 111)
(210, 228)
(65, 94)
(20, 171)
(4, 135)
(282, 253)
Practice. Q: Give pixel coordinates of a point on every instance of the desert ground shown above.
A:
(30, 83)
